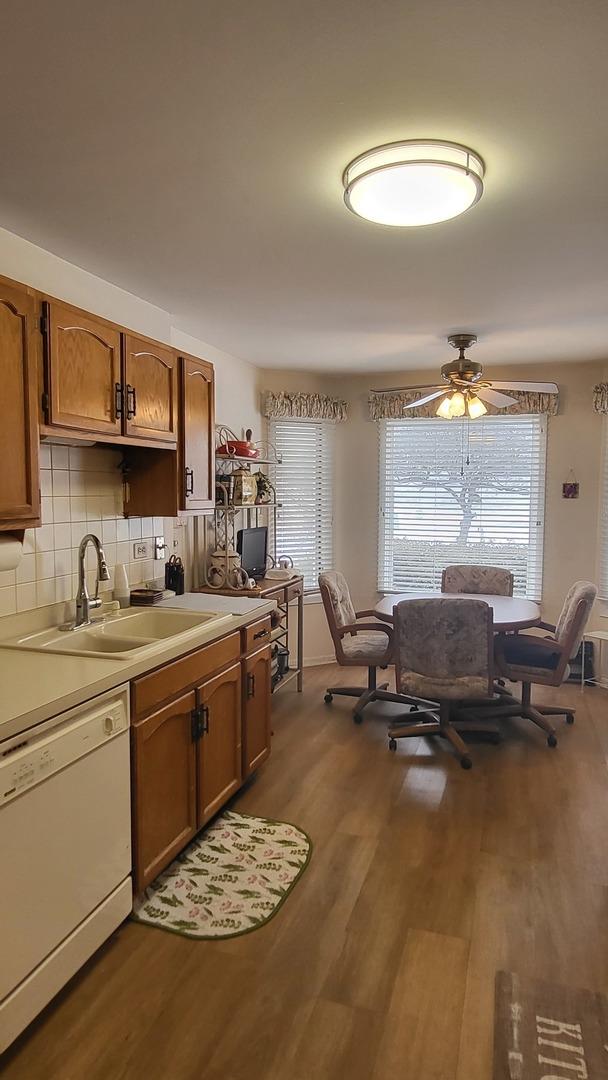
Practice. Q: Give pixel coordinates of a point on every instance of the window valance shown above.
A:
(600, 397)
(304, 406)
(390, 406)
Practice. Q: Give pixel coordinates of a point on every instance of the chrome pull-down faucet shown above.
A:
(84, 602)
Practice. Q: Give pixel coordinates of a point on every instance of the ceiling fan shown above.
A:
(464, 389)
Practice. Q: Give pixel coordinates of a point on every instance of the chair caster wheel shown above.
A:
(357, 718)
(392, 744)
(328, 698)
(466, 763)
(551, 740)
(569, 718)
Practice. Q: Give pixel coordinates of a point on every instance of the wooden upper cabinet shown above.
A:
(82, 371)
(150, 387)
(256, 709)
(164, 787)
(219, 757)
(19, 343)
(198, 450)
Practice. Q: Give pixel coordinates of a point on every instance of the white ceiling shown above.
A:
(192, 153)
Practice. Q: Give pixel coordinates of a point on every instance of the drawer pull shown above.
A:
(261, 633)
(131, 402)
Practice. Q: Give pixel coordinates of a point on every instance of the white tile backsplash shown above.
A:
(81, 491)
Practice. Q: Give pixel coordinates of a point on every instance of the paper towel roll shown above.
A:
(11, 551)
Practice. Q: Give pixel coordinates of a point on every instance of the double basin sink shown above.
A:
(120, 636)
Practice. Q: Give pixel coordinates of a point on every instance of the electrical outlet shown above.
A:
(142, 549)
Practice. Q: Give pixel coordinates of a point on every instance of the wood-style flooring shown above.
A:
(424, 881)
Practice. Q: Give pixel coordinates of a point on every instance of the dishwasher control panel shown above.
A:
(30, 758)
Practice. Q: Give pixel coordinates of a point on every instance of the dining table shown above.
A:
(508, 612)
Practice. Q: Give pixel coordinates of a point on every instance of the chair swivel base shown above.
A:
(438, 724)
(364, 695)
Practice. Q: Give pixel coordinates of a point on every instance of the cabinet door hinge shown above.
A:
(196, 717)
(45, 403)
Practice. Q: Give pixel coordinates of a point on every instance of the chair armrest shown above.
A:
(354, 628)
(529, 639)
(545, 626)
(366, 613)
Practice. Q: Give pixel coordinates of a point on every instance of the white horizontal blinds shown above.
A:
(603, 567)
(304, 486)
(436, 510)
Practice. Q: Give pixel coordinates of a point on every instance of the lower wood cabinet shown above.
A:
(200, 727)
(256, 709)
(164, 787)
(219, 758)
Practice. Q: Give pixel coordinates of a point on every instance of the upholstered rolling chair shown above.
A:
(357, 644)
(492, 580)
(443, 654)
(528, 658)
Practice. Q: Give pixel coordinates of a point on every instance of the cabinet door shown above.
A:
(197, 385)
(219, 749)
(19, 481)
(256, 710)
(150, 391)
(83, 378)
(164, 786)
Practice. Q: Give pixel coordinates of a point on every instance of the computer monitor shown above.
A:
(252, 546)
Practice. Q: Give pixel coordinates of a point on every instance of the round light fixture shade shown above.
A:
(417, 182)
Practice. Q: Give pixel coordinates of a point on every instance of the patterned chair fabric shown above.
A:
(492, 580)
(338, 592)
(443, 648)
(570, 625)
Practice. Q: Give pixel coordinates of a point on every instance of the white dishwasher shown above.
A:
(65, 851)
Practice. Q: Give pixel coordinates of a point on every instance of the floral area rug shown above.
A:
(231, 879)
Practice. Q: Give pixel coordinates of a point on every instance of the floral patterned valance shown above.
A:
(600, 397)
(304, 406)
(390, 406)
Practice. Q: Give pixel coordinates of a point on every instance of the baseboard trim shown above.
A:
(318, 661)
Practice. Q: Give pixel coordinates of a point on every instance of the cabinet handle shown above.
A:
(189, 482)
(118, 399)
(261, 633)
(250, 685)
(131, 401)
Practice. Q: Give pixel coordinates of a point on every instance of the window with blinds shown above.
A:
(603, 537)
(461, 492)
(304, 487)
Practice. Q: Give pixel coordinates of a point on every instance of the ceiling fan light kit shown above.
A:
(464, 389)
(413, 182)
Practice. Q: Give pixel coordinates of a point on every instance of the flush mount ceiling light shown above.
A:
(416, 182)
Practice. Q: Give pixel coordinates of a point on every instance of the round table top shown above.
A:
(509, 612)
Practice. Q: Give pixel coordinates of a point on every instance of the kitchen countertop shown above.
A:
(35, 686)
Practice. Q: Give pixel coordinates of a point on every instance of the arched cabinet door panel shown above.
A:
(19, 480)
(82, 371)
(150, 391)
(219, 748)
(198, 480)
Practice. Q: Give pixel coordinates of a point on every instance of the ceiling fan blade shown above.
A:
(423, 400)
(537, 387)
(406, 389)
(499, 400)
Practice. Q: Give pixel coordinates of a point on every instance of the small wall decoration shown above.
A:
(571, 487)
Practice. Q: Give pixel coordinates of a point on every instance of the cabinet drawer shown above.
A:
(152, 690)
(256, 634)
(295, 590)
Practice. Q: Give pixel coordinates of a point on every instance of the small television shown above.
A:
(252, 546)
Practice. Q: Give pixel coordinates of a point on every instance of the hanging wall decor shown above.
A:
(570, 487)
